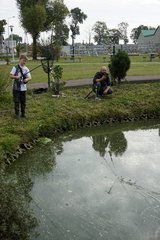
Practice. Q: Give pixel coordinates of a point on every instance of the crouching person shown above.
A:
(101, 83)
(21, 76)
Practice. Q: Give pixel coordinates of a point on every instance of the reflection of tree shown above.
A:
(100, 143)
(37, 162)
(15, 195)
(116, 143)
(16, 220)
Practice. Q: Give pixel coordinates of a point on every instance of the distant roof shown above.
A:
(147, 33)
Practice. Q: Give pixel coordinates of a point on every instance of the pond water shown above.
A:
(97, 183)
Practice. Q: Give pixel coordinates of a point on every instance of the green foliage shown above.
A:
(42, 15)
(2, 24)
(77, 16)
(56, 14)
(46, 49)
(101, 31)
(61, 33)
(33, 20)
(4, 83)
(58, 70)
(57, 76)
(56, 51)
(9, 142)
(120, 64)
(114, 36)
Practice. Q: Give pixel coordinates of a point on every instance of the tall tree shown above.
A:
(101, 32)
(34, 18)
(59, 30)
(136, 32)
(122, 27)
(39, 15)
(60, 33)
(114, 36)
(77, 17)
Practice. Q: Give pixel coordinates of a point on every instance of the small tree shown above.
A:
(120, 64)
(57, 83)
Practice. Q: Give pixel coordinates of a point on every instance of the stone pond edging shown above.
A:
(45, 131)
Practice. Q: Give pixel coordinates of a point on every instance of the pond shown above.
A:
(92, 184)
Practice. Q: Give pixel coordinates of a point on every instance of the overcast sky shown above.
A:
(112, 12)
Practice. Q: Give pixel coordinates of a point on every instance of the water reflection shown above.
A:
(115, 143)
(16, 216)
(94, 184)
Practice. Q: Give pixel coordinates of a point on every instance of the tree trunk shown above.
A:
(72, 57)
(34, 50)
(119, 80)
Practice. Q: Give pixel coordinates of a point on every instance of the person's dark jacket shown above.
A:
(105, 82)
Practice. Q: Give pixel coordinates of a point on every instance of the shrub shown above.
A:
(57, 83)
(120, 64)
(4, 82)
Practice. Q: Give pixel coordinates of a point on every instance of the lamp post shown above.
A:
(8, 24)
(11, 28)
(8, 33)
(73, 50)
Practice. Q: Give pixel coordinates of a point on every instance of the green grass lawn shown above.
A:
(88, 66)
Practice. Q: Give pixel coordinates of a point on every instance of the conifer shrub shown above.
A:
(119, 65)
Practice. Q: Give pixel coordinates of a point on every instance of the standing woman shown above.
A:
(21, 76)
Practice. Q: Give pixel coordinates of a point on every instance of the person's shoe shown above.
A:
(98, 98)
(23, 115)
(17, 116)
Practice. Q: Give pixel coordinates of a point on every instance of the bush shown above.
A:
(4, 84)
(4, 81)
(57, 83)
(120, 64)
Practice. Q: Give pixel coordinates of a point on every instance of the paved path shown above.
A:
(88, 82)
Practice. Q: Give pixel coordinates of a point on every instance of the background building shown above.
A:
(149, 41)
